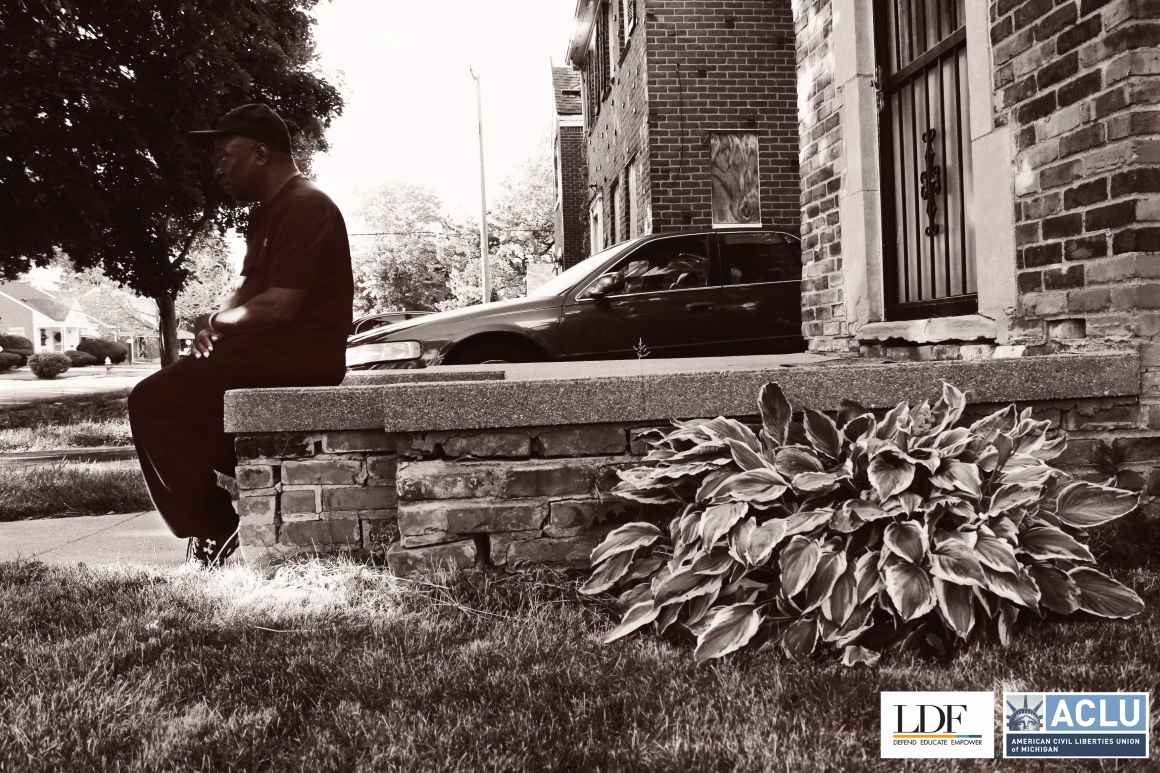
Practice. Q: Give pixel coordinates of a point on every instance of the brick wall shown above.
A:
(719, 67)
(509, 498)
(822, 166)
(620, 130)
(572, 209)
(325, 492)
(1079, 82)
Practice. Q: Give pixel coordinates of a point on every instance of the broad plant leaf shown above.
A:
(855, 655)
(791, 461)
(1102, 596)
(1045, 542)
(806, 521)
(730, 629)
(996, 553)
(1083, 505)
(890, 473)
(906, 539)
(841, 600)
(859, 428)
(800, 638)
(815, 482)
(716, 561)
(1012, 495)
(608, 574)
(909, 587)
(744, 456)
(831, 566)
(758, 486)
(955, 562)
(719, 519)
(723, 430)
(764, 539)
(1005, 625)
(635, 618)
(956, 604)
(822, 433)
(739, 539)
(1058, 592)
(798, 560)
(685, 585)
(775, 412)
(625, 538)
(1017, 587)
(961, 476)
(868, 580)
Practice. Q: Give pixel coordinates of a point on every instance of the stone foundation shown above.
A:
(492, 493)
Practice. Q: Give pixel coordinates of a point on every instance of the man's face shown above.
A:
(238, 166)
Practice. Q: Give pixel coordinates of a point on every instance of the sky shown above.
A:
(403, 69)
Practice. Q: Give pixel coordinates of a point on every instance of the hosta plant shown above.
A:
(857, 536)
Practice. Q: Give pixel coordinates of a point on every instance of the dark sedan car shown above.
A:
(670, 295)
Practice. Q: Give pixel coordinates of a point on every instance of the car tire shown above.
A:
(494, 353)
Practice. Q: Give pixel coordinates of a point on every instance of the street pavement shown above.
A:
(132, 538)
(20, 386)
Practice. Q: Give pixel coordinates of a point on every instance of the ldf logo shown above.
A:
(938, 724)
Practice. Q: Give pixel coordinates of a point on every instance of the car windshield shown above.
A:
(564, 281)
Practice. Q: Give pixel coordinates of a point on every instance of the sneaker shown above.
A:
(209, 552)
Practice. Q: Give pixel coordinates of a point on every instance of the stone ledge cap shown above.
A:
(966, 328)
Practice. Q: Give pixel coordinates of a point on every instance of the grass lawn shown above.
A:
(64, 410)
(85, 433)
(71, 488)
(331, 666)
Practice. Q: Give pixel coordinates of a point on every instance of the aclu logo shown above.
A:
(1091, 725)
(937, 724)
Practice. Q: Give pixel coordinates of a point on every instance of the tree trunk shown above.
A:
(167, 327)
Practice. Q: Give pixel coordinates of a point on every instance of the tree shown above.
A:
(95, 158)
(522, 231)
(402, 267)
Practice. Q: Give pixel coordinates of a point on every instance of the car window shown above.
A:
(667, 264)
(753, 258)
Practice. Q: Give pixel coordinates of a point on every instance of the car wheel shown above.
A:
(494, 353)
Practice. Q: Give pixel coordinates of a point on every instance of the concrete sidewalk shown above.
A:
(20, 387)
(135, 538)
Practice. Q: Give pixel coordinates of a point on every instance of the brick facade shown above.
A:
(571, 169)
(1079, 83)
(822, 162)
(690, 69)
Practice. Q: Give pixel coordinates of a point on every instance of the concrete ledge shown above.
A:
(457, 405)
(355, 404)
(966, 328)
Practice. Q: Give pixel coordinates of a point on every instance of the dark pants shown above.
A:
(176, 418)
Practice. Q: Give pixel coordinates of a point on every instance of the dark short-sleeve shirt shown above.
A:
(298, 240)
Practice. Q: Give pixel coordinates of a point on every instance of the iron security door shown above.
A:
(928, 234)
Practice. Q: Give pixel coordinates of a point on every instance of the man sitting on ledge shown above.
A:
(285, 326)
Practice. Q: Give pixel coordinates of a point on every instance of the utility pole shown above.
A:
(484, 279)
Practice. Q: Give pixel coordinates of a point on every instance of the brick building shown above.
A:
(979, 173)
(568, 146)
(689, 115)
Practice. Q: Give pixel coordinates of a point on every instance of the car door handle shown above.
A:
(703, 306)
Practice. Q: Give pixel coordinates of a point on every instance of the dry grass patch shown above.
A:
(71, 488)
(87, 433)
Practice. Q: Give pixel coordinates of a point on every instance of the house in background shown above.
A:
(690, 115)
(569, 154)
(50, 323)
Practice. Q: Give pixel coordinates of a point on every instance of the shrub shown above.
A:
(49, 365)
(9, 361)
(18, 345)
(102, 347)
(906, 530)
(81, 359)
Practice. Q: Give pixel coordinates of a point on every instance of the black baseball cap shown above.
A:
(255, 121)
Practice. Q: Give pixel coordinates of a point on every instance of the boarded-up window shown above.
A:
(736, 193)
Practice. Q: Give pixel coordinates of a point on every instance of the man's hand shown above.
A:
(203, 342)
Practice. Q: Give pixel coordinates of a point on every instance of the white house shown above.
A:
(51, 324)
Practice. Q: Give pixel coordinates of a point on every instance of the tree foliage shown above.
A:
(95, 158)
